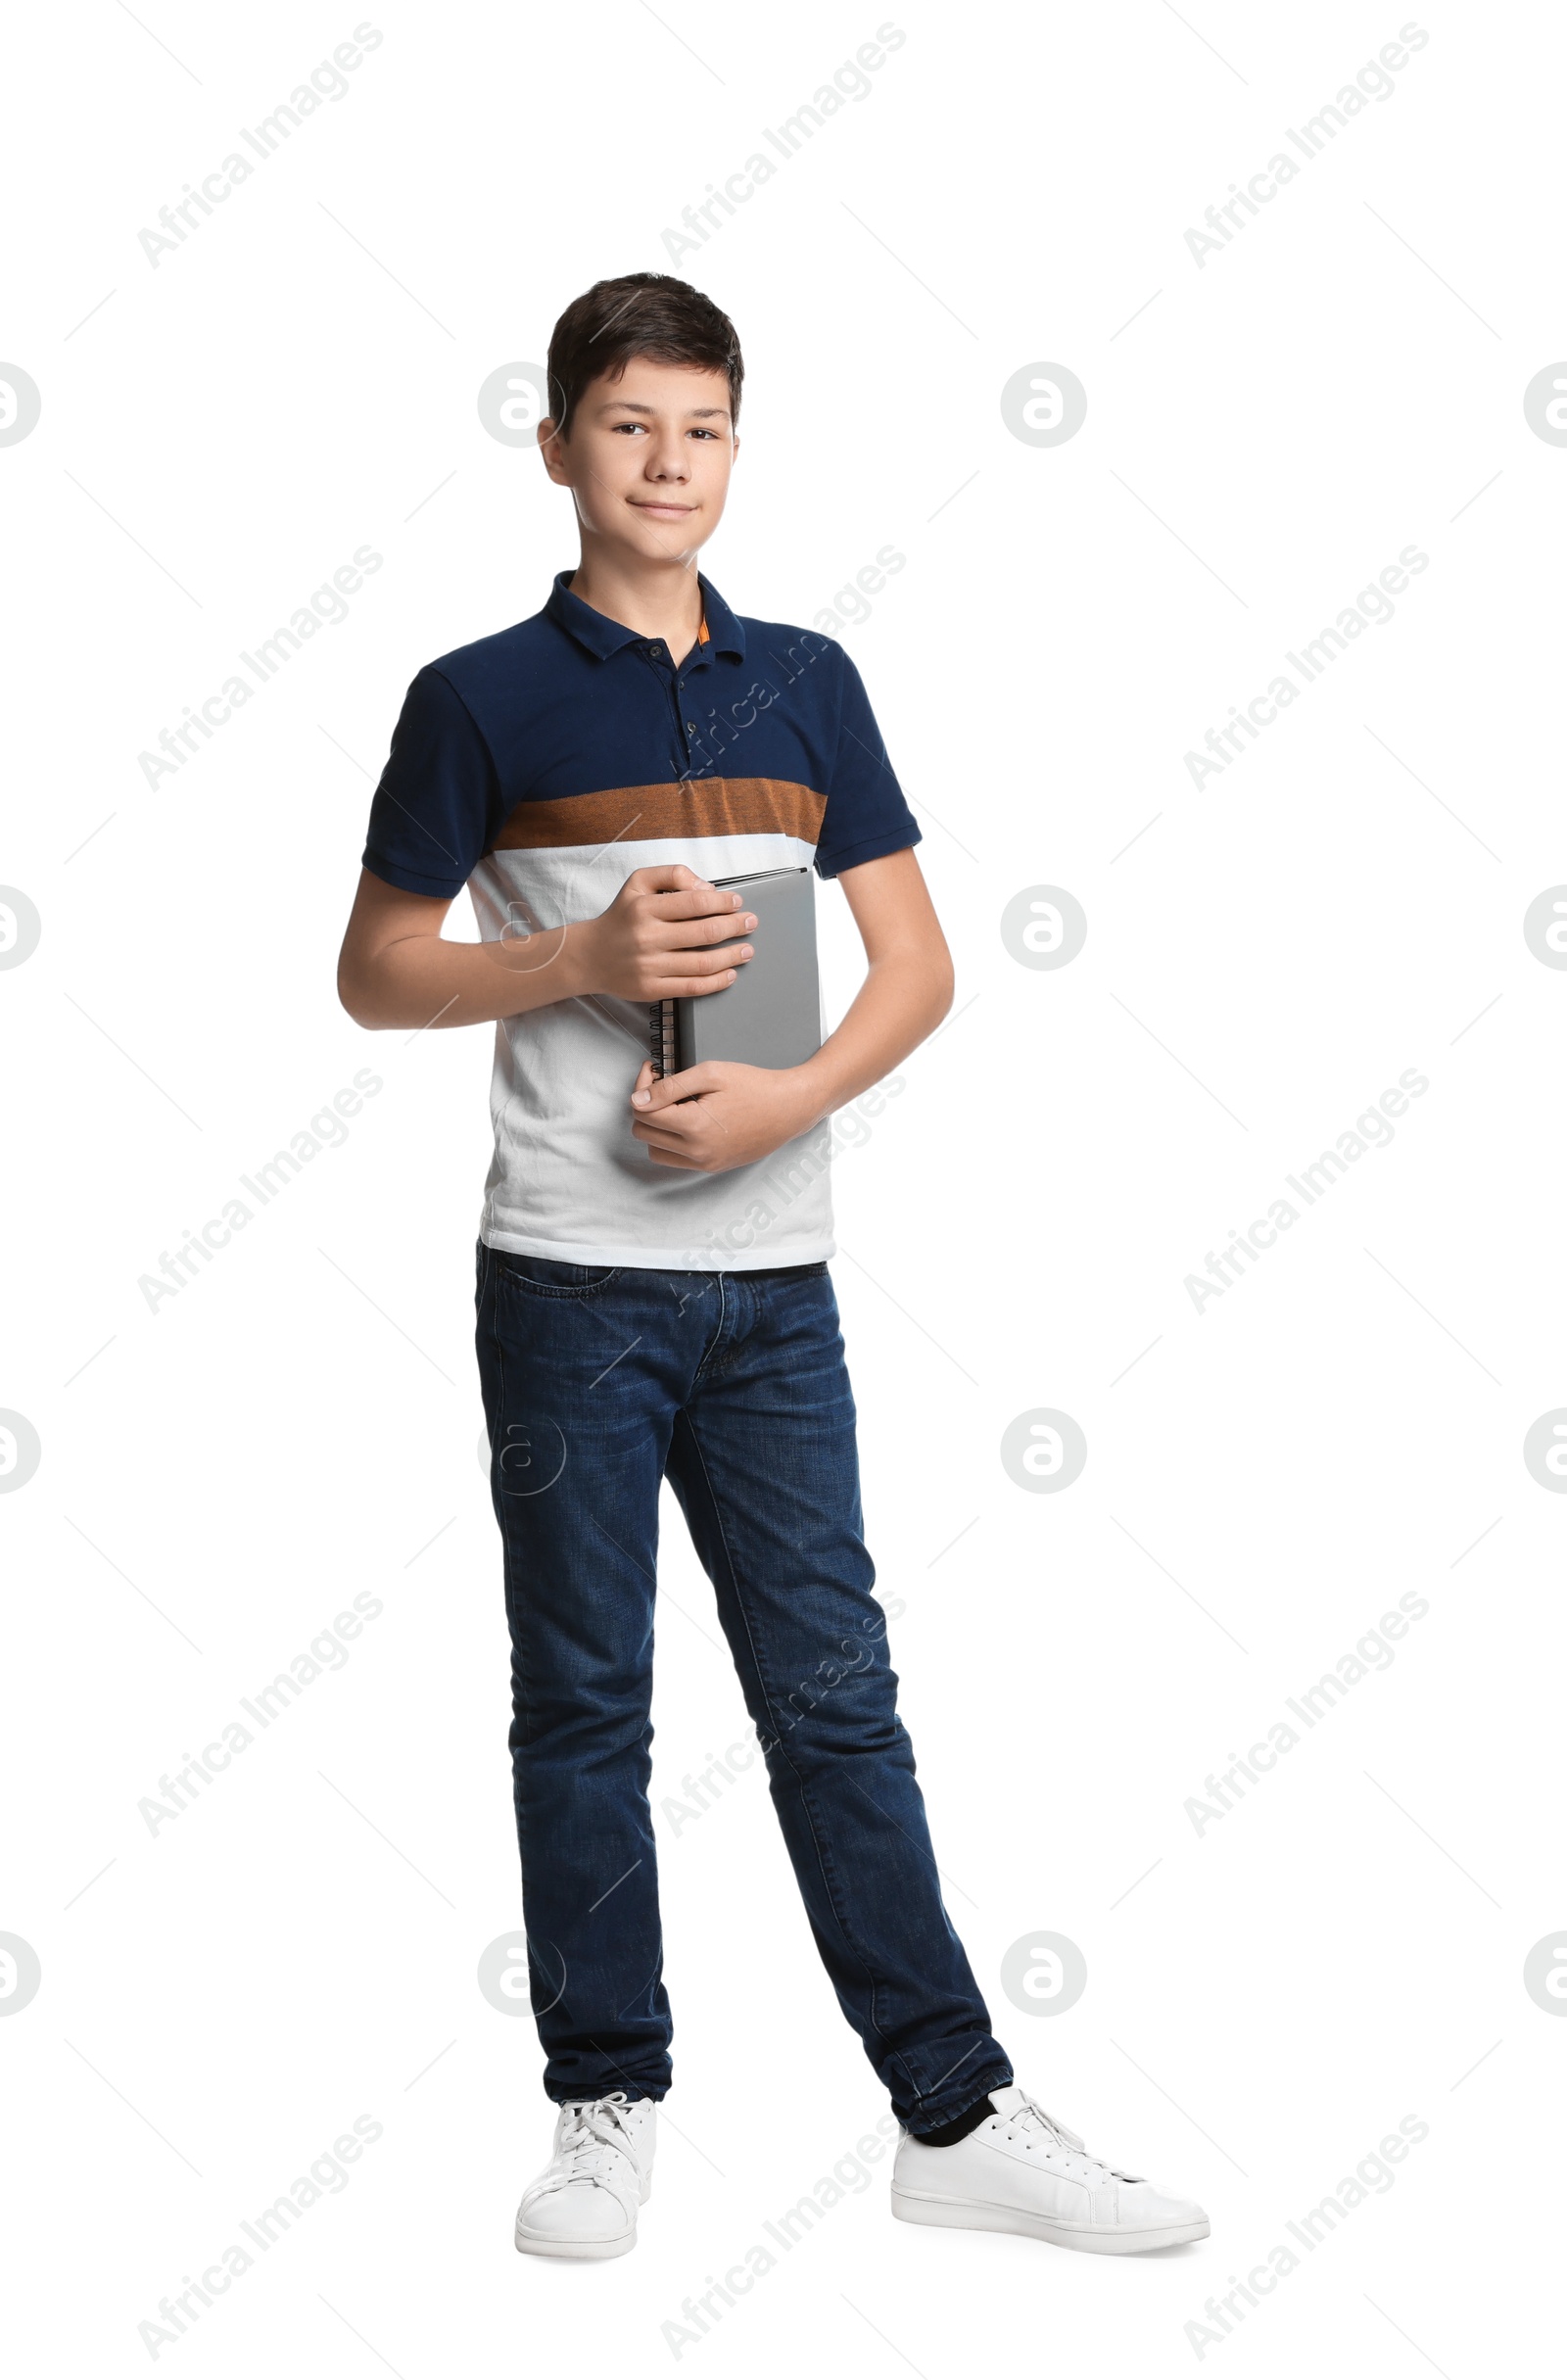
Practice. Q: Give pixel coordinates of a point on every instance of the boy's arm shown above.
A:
(396, 969)
(718, 1114)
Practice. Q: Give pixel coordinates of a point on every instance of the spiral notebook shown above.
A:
(771, 1015)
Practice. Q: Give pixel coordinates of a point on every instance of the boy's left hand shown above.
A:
(719, 1114)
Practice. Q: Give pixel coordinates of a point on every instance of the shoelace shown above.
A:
(597, 2126)
(1032, 2112)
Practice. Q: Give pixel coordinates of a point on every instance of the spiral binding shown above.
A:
(661, 1036)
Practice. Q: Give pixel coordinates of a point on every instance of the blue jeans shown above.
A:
(598, 1383)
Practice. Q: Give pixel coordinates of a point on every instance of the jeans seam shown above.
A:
(559, 1289)
(935, 2116)
(706, 1356)
(498, 1346)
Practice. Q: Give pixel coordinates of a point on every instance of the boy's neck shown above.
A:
(662, 600)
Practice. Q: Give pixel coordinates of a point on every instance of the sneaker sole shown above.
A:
(529, 2243)
(969, 2214)
(537, 2243)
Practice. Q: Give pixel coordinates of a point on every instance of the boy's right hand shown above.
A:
(655, 942)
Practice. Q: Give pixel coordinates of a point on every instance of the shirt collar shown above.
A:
(724, 630)
(601, 635)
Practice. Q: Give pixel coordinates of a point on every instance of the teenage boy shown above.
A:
(653, 1299)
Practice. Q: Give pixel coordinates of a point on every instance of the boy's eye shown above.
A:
(642, 425)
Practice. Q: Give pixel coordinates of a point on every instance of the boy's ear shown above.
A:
(551, 444)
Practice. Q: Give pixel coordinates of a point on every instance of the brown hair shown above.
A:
(642, 314)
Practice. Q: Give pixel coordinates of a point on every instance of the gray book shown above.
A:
(771, 1015)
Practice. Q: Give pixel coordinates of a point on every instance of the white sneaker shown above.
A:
(585, 2201)
(1022, 2171)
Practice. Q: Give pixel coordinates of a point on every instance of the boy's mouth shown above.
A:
(661, 511)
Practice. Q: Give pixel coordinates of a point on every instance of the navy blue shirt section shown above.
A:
(571, 702)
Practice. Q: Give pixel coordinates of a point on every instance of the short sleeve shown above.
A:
(867, 816)
(436, 810)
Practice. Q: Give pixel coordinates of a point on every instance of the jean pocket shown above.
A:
(543, 1277)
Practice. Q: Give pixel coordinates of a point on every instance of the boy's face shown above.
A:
(647, 459)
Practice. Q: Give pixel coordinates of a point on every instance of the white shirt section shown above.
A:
(567, 1180)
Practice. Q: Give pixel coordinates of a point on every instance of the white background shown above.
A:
(1264, 434)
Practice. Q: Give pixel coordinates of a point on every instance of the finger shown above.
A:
(697, 933)
(650, 1092)
(691, 987)
(653, 1139)
(681, 1165)
(712, 983)
(661, 1114)
(668, 877)
(698, 900)
(670, 1089)
(687, 959)
(672, 1152)
(679, 1117)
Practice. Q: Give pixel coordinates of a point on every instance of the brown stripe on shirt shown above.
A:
(715, 805)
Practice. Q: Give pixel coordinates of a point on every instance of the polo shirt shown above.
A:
(540, 768)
